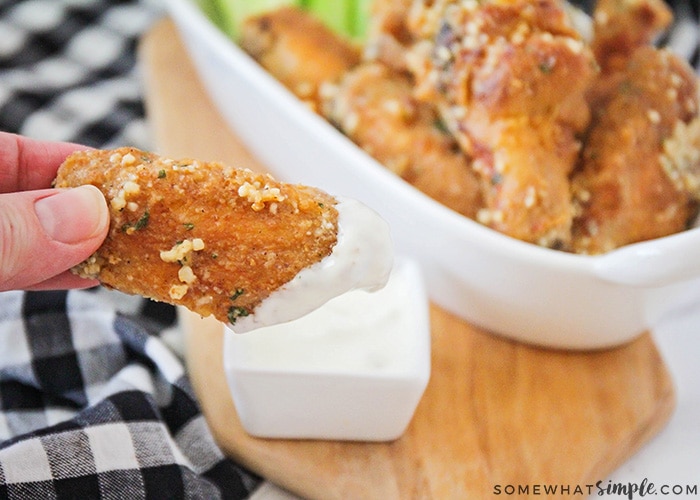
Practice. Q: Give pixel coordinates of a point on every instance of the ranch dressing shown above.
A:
(361, 259)
(357, 332)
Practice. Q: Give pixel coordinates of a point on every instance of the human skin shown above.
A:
(44, 231)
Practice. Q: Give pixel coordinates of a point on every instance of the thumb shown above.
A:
(44, 233)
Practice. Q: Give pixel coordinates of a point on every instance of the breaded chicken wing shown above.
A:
(622, 26)
(510, 78)
(624, 190)
(215, 239)
(375, 107)
(298, 50)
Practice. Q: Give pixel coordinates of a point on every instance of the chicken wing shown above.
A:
(298, 50)
(509, 78)
(215, 239)
(626, 190)
(374, 106)
(622, 26)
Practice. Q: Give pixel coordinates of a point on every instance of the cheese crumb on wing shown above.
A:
(178, 291)
(181, 253)
(680, 157)
(258, 194)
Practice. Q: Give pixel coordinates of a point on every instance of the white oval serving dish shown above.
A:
(516, 289)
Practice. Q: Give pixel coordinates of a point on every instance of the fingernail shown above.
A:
(73, 215)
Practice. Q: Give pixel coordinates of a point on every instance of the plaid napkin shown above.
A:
(68, 69)
(94, 403)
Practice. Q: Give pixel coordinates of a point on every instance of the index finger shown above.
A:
(28, 164)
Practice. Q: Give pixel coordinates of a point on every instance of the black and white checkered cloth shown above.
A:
(68, 69)
(94, 402)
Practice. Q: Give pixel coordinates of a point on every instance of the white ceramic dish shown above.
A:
(355, 369)
(516, 289)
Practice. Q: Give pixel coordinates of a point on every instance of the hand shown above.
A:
(44, 232)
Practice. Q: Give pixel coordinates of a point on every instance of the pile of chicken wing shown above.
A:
(571, 132)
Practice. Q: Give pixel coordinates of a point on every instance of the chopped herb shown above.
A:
(496, 179)
(143, 221)
(441, 126)
(189, 226)
(215, 256)
(161, 174)
(546, 67)
(237, 293)
(138, 225)
(145, 159)
(235, 312)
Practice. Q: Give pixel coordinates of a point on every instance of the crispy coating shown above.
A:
(388, 33)
(681, 156)
(390, 17)
(622, 26)
(289, 43)
(515, 86)
(510, 80)
(375, 107)
(624, 192)
(215, 239)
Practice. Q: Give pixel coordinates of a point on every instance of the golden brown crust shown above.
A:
(681, 156)
(624, 193)
(388, 35)
(288, 43)
(622, 26)
(510, 80)
(375, 107)
(215, 239)
(515, 86)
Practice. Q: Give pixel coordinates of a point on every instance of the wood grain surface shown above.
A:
(495, 412)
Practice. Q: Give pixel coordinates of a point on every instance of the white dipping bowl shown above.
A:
(528, 293)
(355, 369)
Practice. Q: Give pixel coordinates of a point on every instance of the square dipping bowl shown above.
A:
(355, 369)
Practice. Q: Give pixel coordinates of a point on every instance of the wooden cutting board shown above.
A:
(495, 412)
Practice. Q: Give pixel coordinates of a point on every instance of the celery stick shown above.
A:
(211, 9)
(236, 11)
(227, 16)
(360, 19)
(346, 17)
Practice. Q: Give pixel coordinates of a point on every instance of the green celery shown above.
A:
(228, 16)
(346, 17)
(360, 19)
(212, 11)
